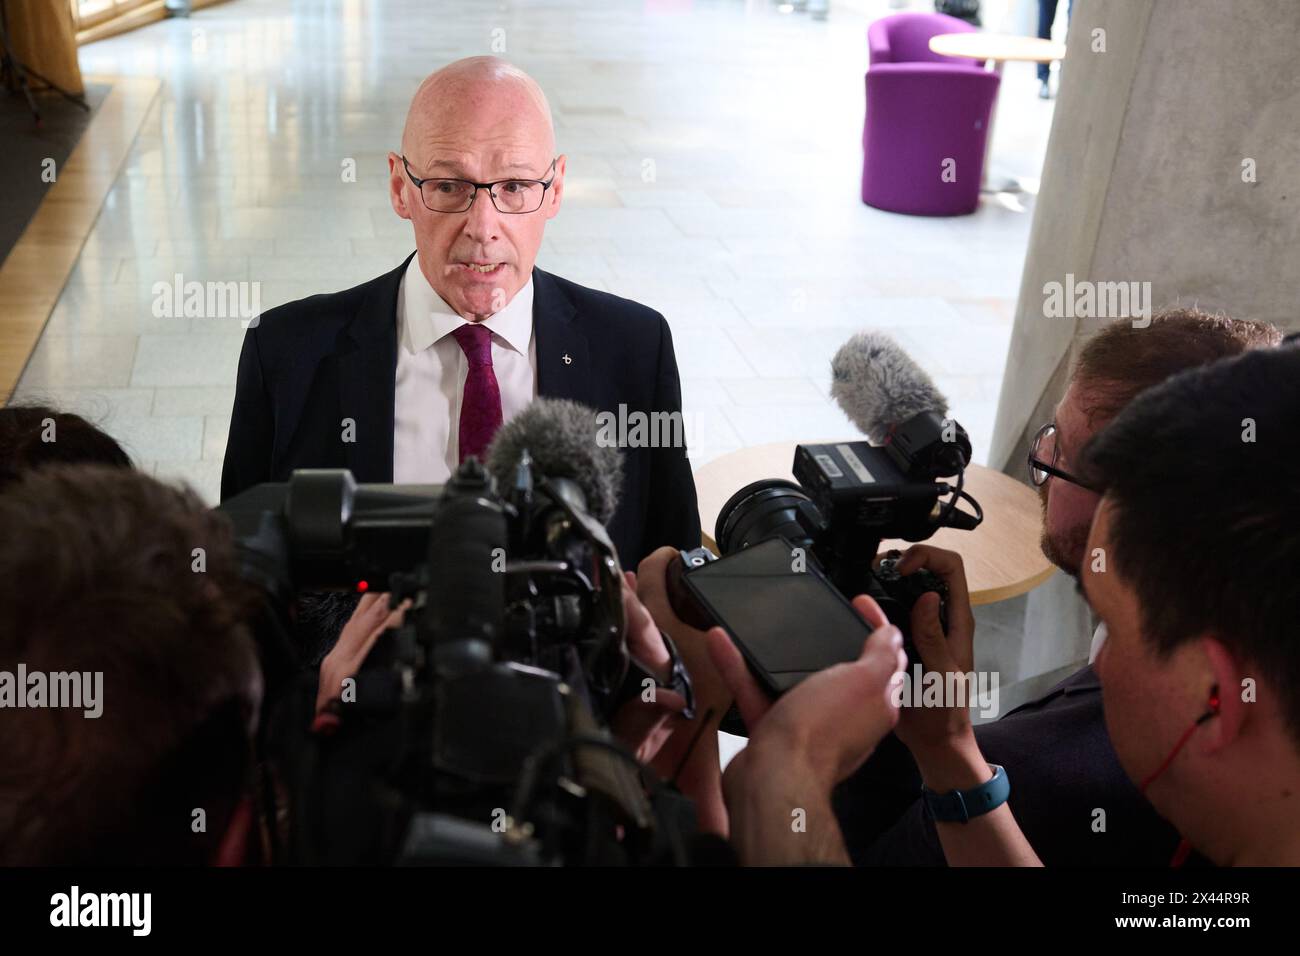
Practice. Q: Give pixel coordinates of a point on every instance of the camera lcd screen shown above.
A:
(788, 623)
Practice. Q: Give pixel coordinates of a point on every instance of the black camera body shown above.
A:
(850, 496)
(477, 732)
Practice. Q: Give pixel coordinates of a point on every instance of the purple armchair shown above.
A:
(923, 110)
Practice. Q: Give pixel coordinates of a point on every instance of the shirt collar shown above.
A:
(426, 318)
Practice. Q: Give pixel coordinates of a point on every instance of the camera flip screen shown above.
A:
(788, 622)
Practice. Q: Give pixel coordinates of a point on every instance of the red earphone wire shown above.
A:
(1184, 847)
(1170, 759)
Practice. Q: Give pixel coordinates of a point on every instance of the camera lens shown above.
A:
(761, 510)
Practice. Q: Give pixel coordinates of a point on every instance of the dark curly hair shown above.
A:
(106, 570)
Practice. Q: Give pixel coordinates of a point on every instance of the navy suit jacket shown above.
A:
(309, 364)
(1062, 769)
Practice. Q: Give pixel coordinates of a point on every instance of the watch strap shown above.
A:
(959, 806)
(679, 679)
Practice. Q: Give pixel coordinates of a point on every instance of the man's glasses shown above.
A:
(511, 196)
(1043, 453)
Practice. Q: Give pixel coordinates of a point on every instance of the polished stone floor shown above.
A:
(714, 160)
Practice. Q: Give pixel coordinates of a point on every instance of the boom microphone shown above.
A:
(879, 387)
(559, 437)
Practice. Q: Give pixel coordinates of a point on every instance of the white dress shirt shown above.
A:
(431, 372)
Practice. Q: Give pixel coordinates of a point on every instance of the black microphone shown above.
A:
(560, 438)
(897, 405)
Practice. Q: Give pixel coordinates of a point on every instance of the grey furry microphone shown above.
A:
(560, 437)
(879, 387)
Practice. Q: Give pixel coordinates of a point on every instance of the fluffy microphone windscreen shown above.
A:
(879, 386)
(561, 437)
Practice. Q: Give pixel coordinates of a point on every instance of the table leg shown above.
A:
(986, 184)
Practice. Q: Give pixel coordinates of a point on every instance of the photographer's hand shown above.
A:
(644, 725)
(370, 619)
(643, 640)
(935, 733)
(691, 751)
(941, 738)
(778, 788)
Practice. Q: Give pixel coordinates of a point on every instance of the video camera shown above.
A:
(848, 497)
(477, 732)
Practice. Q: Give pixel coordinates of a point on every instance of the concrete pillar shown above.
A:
(1148, 179)
(1166, 109)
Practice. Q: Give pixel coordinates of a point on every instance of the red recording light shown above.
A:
(363, 586)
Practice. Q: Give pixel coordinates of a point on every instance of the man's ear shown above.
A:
(397, 186)
(557, 188)
(1225, 697)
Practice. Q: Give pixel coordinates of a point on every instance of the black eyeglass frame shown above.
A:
(1050, 470)
(419, 185)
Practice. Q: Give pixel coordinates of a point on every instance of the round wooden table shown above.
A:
(1002, 555)
(997, 48)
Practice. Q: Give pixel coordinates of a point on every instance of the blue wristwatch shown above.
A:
(958, 806)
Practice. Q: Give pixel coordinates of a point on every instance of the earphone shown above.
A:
(1214, 705)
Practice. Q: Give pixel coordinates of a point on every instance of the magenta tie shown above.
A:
(480, 405)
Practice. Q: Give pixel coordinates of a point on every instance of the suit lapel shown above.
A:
(368, 381)
(563, 366)
(368, 367)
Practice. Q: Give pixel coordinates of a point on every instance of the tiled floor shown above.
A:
(714, 156)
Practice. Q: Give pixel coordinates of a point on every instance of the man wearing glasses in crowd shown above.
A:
(404, 377)
(1056, 747)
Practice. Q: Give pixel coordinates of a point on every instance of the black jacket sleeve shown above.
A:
(252, 424)
(672, 512)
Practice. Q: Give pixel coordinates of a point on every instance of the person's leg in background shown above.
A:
(1046, 17)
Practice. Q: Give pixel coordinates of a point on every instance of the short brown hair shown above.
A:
(98, 573)
(1122, 361)
(1205, 531)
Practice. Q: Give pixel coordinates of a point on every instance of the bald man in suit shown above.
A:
(401, 378)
